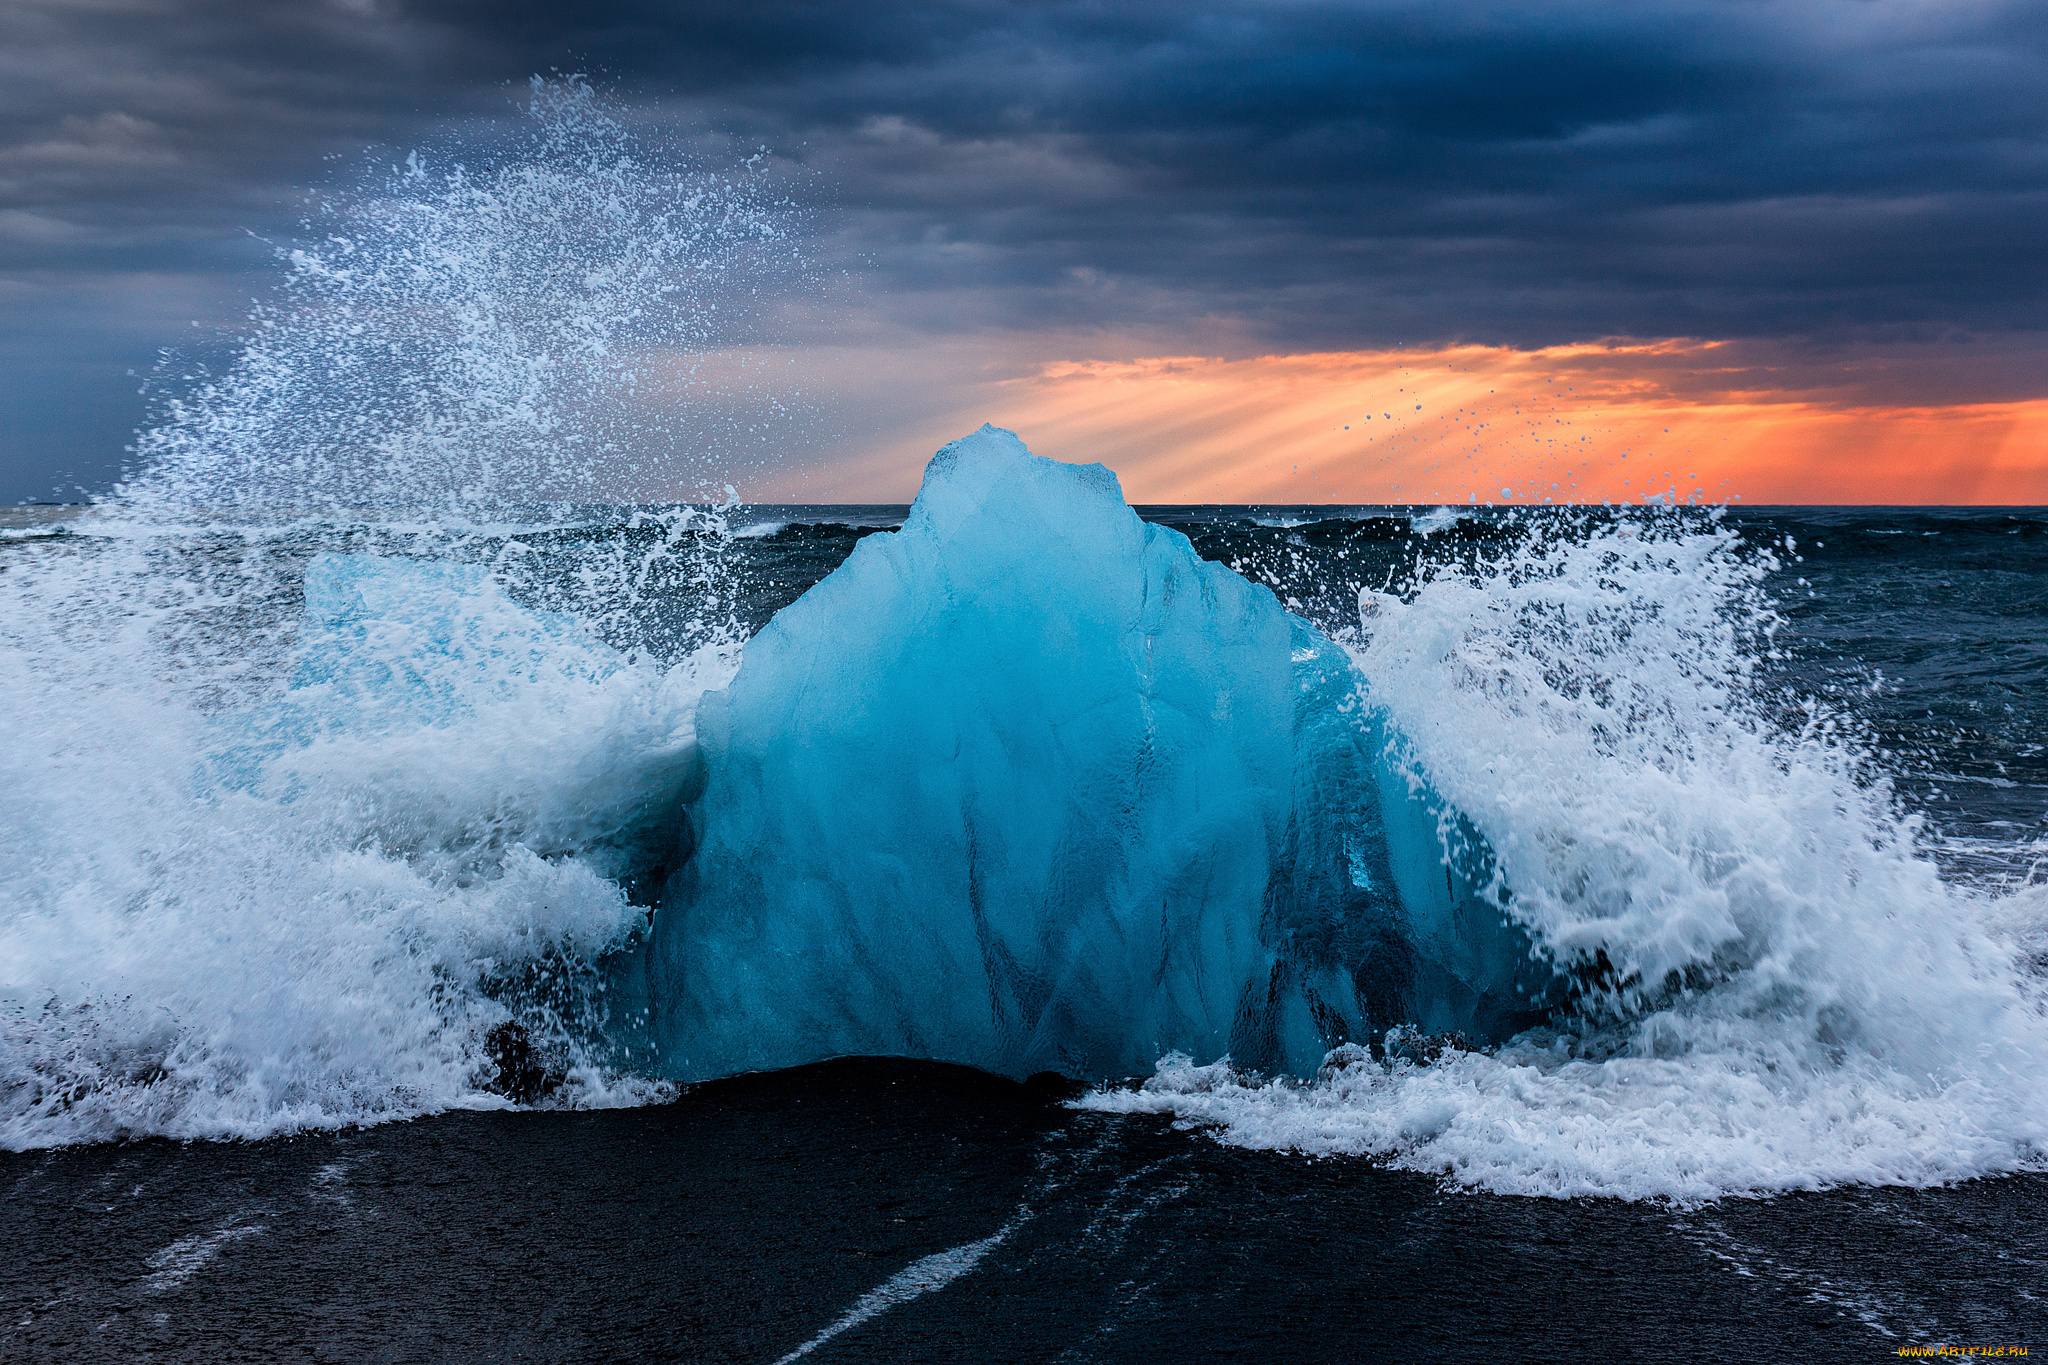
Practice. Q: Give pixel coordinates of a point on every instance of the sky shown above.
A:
(1283, 251)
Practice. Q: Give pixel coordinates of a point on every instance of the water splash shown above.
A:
(329, 751)
(1775, 988)
(500, 326)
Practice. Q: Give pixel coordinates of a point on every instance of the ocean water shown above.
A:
(227, 924)
(1793, 755)
(368, 762)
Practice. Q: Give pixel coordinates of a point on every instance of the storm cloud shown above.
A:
(1824, 177)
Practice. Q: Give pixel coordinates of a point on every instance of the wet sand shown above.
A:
(757, 1216)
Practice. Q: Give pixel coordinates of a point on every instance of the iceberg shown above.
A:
(1027, 785)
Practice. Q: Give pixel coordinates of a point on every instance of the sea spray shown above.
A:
(1776, 989)
(508, 323)
(336, 738)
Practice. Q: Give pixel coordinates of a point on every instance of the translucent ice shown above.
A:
(1027, 785)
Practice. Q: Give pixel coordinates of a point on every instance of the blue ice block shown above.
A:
(1028, 785)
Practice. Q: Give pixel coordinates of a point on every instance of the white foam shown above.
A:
(1792, 997)
(1436, 519)
(243, 896)
(210, 930)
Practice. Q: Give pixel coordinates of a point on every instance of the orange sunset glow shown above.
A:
(1612, 422)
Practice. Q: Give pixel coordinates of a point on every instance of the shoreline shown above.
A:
(754, 1215)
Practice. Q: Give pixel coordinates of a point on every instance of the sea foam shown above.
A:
(297, 802)
(232, 919)
(1777, 990)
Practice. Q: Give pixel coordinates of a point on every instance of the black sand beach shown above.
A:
(747, 1218)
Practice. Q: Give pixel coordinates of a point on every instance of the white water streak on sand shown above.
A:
(187, 1256)
(918, 1278)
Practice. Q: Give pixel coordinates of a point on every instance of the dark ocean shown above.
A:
(266, 912)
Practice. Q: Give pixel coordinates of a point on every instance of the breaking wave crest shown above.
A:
(336, 739)
(1772, 987)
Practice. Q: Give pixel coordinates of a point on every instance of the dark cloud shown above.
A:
(1251, 175)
